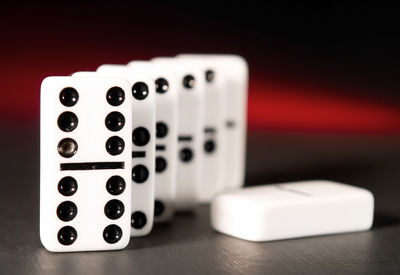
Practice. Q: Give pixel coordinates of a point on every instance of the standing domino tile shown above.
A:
(85, 164)
(234, 70)
(214, 149)
(143, 144)
(166, 138)
(190, 130)
(143, 150)
(292, 210)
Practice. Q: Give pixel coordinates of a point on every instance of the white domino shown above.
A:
(166, 138)
(190, 130)
(85, 159)
(234, 70)
(292, 210)
(214, 142)
(143, 147)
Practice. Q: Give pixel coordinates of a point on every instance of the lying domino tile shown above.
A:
(85, 164)
(166, 138)
(190, 130)
(143, 144)
(214, 145)
(292, 210)
(235, 71)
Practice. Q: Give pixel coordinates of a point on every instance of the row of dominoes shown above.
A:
(130, 144)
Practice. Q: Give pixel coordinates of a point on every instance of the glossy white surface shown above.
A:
(167, 113)
(234, 69)
(91, 135)
(190, 125)
(142, 193)
(214, 131)
(292, 210)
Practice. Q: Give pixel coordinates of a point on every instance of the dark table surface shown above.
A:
(188, 245)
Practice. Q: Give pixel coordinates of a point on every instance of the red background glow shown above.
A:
(283, 95)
